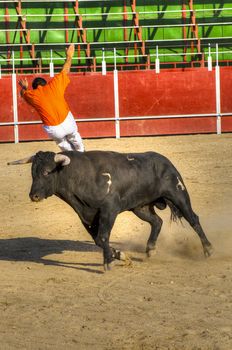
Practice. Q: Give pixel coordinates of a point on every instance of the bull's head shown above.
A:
(45, 166)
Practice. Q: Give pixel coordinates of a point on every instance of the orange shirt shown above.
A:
(49, 100)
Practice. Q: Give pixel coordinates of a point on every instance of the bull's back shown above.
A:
(133, 177)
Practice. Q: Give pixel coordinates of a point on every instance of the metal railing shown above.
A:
(108, 14)
(109, 57)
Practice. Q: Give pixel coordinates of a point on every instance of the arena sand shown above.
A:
(54, 294)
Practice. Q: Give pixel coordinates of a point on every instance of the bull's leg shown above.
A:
(207, 246)
(182, 202)
(147, 213)
(106, 222)
(93, 231)
(193, 220)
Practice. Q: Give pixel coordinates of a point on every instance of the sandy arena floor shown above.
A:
(54, 294)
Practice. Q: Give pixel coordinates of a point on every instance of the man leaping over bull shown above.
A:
(48, 100)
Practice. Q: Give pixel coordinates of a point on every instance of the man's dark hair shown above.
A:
(38, 81)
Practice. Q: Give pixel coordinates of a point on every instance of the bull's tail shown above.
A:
(175, 212)
(162, 203)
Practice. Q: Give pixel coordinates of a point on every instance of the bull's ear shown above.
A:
(61, 158)
(22, 161)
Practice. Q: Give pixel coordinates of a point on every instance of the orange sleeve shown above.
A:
(28, 95)
(60, 82)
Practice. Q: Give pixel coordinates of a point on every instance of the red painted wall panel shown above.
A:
(97, 129)
(227, 124)
(91, 95)
(6, 109)
(32, 132)
(226, 100)
(6, 133)
(168, 126)
(141, 93)
(226, 89)
(170, 92)
(6, 100)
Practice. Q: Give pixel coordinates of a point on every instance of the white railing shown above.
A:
(188, 25)
(109, 56)
(165, 42)
(180, 11)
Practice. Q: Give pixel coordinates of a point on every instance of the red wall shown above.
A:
(226, 100)
(141, 93)
(6, 108)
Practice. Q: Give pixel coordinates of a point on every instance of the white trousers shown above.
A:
(66, 134)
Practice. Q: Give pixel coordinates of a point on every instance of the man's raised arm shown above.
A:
(69, 56)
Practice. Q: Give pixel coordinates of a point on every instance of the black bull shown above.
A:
(99, 185)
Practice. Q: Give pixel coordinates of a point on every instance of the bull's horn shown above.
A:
(22, 161)
(61, 158)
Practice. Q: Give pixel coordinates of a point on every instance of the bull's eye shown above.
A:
(45, 173)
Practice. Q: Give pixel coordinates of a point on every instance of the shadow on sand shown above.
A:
(35, 250)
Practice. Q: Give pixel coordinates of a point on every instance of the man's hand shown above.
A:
(23, 83)
(70, 51)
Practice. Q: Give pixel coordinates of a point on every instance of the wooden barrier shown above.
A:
(171, 102)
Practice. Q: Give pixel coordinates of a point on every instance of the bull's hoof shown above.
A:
(208, 250)
(108, 262)
(119, 256)
(150, 252)
(107, 267)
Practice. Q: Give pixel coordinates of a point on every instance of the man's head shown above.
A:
(38, 81)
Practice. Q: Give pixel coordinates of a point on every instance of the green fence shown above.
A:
(182, 31)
